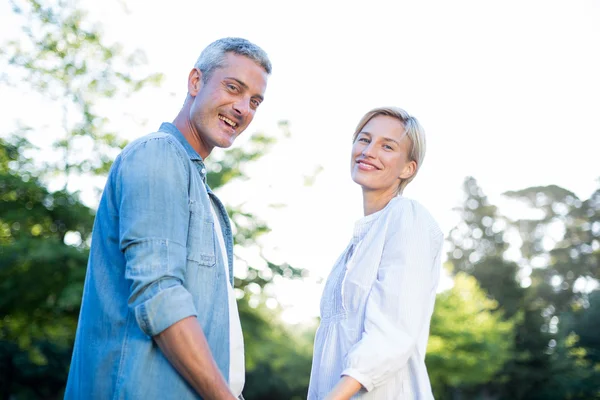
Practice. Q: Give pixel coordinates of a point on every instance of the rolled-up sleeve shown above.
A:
(401, 299)
(152, 197)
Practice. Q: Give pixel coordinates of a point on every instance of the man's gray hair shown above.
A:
(213, 56)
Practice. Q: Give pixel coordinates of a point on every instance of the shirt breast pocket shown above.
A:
(354, 296)
(201, 238)
(357, 284)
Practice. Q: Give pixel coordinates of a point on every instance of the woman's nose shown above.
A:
(368, 151)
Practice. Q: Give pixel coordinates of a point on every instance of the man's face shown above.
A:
(225, 104)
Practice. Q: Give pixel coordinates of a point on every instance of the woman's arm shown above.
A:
(401, 299)
(345, 389)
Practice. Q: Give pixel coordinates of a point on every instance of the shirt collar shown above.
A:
(169, 128)
(362, 226)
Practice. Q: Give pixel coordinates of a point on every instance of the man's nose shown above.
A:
(242, 107)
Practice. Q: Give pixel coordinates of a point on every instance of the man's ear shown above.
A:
(194, 82)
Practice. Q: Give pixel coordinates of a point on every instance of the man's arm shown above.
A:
(185, 346)
(151, 191)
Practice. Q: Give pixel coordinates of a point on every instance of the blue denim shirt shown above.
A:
(153, 262)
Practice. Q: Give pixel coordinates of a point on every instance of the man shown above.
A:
(158, 318)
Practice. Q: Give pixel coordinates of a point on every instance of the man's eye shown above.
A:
(255, 103)
(232, 87)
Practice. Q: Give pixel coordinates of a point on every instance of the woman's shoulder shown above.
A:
(407, 213)
(403, 207)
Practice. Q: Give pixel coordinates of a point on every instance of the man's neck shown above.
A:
(183, 123)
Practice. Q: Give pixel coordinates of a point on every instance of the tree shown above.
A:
(558, 252)
(41, 276)
(469, 341)
(582, 322)
(563, 244)
(582, 348)
(63, 56)
(560, 246)
(477, 247)
(43, 253)
(278, 360)
(44, 234)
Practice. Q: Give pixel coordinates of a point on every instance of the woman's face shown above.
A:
(380, 155)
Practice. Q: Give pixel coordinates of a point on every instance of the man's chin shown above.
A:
(225, 144)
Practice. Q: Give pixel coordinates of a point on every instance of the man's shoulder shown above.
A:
(156, 150)
(152, 141)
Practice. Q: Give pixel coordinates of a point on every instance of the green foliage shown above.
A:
(578, 355)
(44, 235)
(583, 323)
(492, 335)
(226, 168)
(566, 237)
(278, 360)
(477, 246)
(480, 233)
(41, 277)
(559, 249)
(469, 342)
(563, 242)
(63, 56)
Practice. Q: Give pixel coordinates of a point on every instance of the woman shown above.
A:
(378, 299)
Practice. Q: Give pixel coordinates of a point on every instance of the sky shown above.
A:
(507, 91)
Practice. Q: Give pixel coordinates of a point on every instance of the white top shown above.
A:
(377, 305)
(237, 373)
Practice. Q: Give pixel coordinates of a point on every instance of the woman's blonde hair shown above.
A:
(413, 129)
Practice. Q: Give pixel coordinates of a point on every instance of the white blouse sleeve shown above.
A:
(401, 299)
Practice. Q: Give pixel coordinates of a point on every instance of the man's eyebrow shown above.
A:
(238, 81)
(242, 84)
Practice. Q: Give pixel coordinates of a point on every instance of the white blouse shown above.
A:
(377, 304)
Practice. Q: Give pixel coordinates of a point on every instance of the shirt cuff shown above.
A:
(165, 308)
(364, 380)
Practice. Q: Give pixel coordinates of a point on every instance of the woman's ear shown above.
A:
(408, 170)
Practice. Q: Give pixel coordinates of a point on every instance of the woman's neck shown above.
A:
(374, 201)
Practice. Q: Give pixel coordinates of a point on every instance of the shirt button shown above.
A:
(203, 170)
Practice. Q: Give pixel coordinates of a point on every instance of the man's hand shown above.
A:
(185, 346)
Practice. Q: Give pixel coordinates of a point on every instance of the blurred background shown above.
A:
(508, 93)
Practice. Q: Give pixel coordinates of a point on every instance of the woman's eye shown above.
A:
(363, 139)
(387, 147)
